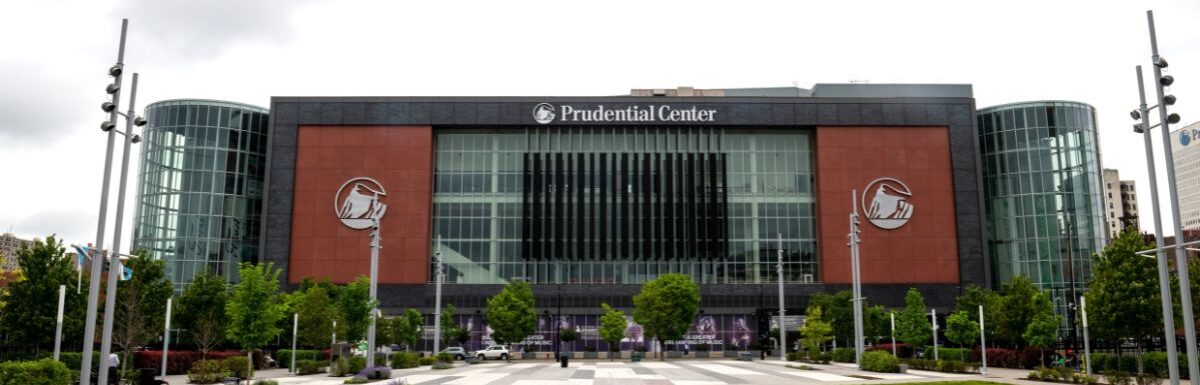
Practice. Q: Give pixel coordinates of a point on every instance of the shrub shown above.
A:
(1147, 379)
(921, 364)
(238, 366)
(1117, 377)
(376, 373)
(843, 355)
(951, 366)
(1099, 360)
(310, 366)
(445, 357)
(823, 358)
(902, 350)
(442, 365)
(793, 356)
(957, 354)
(427, 360)
(207, 372)
(268, 382)
(703, 348)
(347, 366)
(879, 361)
(45, 371)
(284, 356)
(1031, 357)
(1086, 379)
(405, 360)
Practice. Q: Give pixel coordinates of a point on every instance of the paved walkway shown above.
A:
(650, 372)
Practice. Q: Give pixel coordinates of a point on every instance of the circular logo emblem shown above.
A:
(358, 204)
(1184, 138)
(889, 207)
(543, 113)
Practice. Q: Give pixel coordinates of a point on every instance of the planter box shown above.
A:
(613, 355)
(590, 355)
(528, 355)
(755, 354)
(702, 354)
(636, 358)
(730, 354)
(674, 354)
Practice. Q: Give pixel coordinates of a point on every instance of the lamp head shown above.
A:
(112, 88)
(107, 126)
(1161, 62)
(139, 121)
(108, 106)
(1166, 80)
(135, 139)
(1135, 114)
(115, 70)
(1137, 128)
(1169, 100)
(1173, 118)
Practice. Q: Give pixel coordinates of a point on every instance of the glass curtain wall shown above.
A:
(624, 205)
(1043, 193)
(200, 186)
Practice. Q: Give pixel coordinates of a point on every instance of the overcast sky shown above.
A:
(54, 56)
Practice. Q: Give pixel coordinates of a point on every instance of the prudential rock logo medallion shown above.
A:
(889, 207)
(543, 113)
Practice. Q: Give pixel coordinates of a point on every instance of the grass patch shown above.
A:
(801, 367)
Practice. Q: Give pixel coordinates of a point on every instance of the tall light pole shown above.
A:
(893, 314)
(983, 343)
(361, 208)
(62, 296)
(167, 339)
(933, 317)
(89, 325)
(855, 238)
(1087, 346)
(437, 298)
(1181, 262)
(114, 264)
(782, 308)
(295, 329)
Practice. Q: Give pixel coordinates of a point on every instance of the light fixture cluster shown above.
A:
(110, 107)
(1168, 100)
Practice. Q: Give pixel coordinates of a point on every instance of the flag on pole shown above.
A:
(126, 273)
(82, 252)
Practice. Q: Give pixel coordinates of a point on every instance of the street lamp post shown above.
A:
(62, 296)
(893, 314)
(782, 309)
(933, 317)
(855, 239)
(437, 298)
(1087, 347)
(89, 328)
(167, 339)
(982, 344)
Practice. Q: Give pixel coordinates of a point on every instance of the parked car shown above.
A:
(457, 352)
(495, 351)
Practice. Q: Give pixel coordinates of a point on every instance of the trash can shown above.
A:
(563, 359)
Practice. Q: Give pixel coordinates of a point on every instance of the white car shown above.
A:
(498, 352)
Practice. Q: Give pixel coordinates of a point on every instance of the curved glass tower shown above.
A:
(1043, 193)
(201, 186)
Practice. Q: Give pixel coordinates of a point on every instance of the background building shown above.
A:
(588, 197)
(1043, 193)
(201, 186)
(1120, 203)
(9, 244)
(1186, 150)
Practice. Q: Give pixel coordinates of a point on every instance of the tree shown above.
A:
(1123, 297)
(568, 336)
(876, 323)
(449, 328)
(511, 314)
(666, 306)
(201, 310)
(354, 309)
(912, 327)
(838, 310)
(815, 331)
(141, 304)
(409, 327)
(1016, 309)
(612, 328)
(317, 312)
(29, 316)
(1043, 330)
(961, 328)
(972, 298)
(254, 308)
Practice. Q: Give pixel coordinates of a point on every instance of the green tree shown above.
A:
(838, 310)
(876, 323)
(666, 306)
(815, 331)
(1043, 331)
(972, 298)
(354, 309)
(448, 326)
(29, 316)
(961, 328)
(912, 326)
(317, 312)
(1123, 299)
(1016, 309)
(141, 306)
(254, 308)
(612, 328)
(409, 327)
(200, 310)
(511, 314)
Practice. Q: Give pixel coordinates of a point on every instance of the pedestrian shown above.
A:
(113, 373)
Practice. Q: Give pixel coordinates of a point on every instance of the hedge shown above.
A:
(879, 361)
(206, 372)
(843, 355)
(944, 353)
(427, 360)
(284, 356)
(72, 359)
(345, 367)
(238, 366)
(45, 371)
(902, 349)
(178, 361)
(404, 360)
(310, 366)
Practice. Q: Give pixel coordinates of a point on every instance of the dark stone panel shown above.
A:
(283, 136)
(354, 113)
(465, 113)
(284, 113)
(760, 112)
(420, 113)
(962, 115)
(488, 113)
(871, 114)
(376, 113)
(398, 113)
(914, 114)
(893, 114)
(515, 113)
(279, 207)
(806, 114)
(310, 113)
(283, 159)
(849, 114)
(936, 113)
(444, 113)
(280, 246)
(739, 114)
(331, 113)
(827, 114)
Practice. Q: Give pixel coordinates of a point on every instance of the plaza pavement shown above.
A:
(687, 371)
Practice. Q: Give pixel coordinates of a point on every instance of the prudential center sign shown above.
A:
(546, 113)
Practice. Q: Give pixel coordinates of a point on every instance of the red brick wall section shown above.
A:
(401, 159)
(925, 250)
